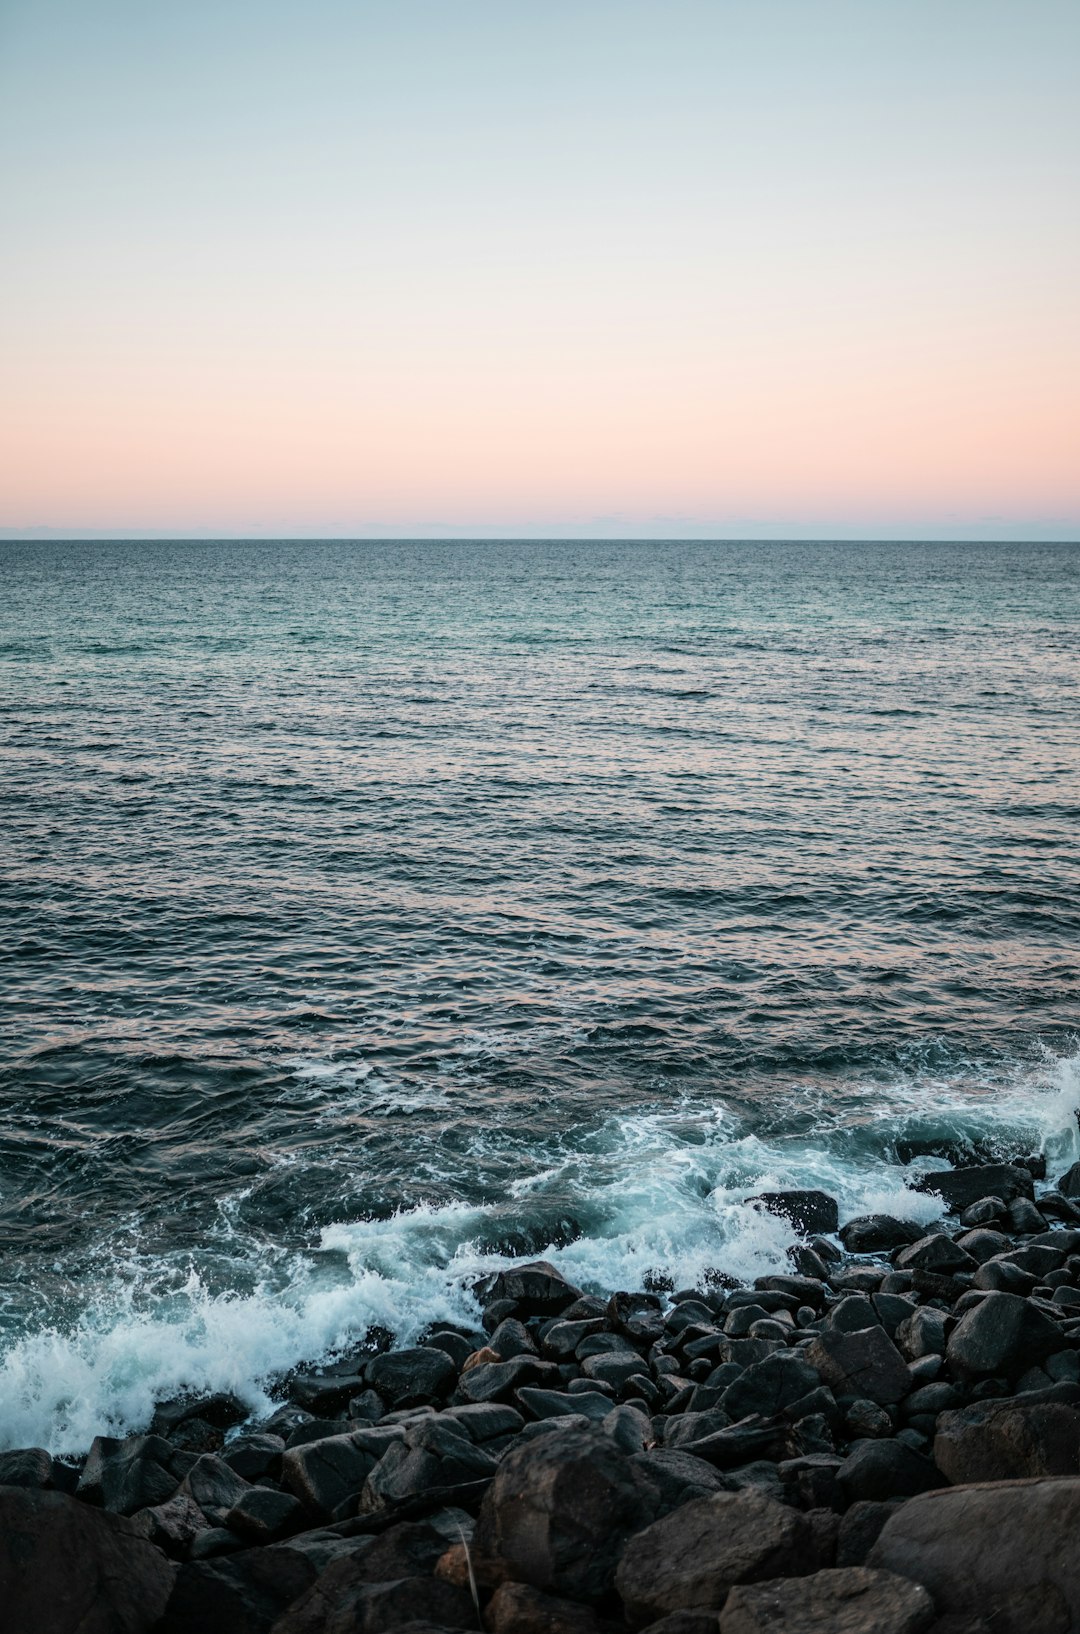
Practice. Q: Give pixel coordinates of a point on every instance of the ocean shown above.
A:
(372, 914)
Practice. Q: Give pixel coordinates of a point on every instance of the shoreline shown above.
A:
(818, 1443)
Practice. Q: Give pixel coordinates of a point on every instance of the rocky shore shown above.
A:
(885, 1438)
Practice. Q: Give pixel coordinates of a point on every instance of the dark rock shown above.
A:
(317, 1429)
(675, 1478)
(559, 1403)
(497, 1381)
(214, 1487)
(935, 1253)
(860, 1528)
(878, 1470)
(262, 1515)
(220, 1411)
(1003, 1334)
(739, 1444)
(406, 1378)
(1008, 1440)
(486, 1422)
(1005, 1552)
(559, 1512)
(851, 1313)
(865, 1420)
(769, 1386)
(983, 1244)
(253, 1456)
(923, 1333)
(809, 1211)
(561, 1339)
(996, 1276)
(137, 1473)
(456, 1345)
(866, 1363)
(518, 1608)
(1025, 1218)
(959, 1188)
(339, 1599)
(66, 1568)
(1069, 1184)
(324, 1474)
(26, 1467)
(877, 1234)
(434, 1453)
(325, 1394)
(512, 1338)
(804, 1290)
(173, 1526)
(691, 1559)
(983, 1213)
(536, 1289)
(851, 1600)
(243, 1593)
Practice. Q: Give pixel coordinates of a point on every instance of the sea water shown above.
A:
(375, 913)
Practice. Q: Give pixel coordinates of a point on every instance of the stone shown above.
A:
(512, 1338)
(803, 1289)
(769, 1386)
(877, 1234)
(559, 1403)
(242, 1593)
(923, 1333)
(983, 1244)
(935, 1253)
(982, 1213)
(536, 1289)
(690, 1559)
(559, 1512)
(220, 1411)
(1069, 1184)
(810, 1212)
(214, 1487)
(877, 1470)
(959, 1188)
(1024, 1217)
(1008, 1440)
(67, 1568)
(561, 1339)
(866, 1363)
(173, 1526)
(137, 1473)
(263, 1515)
(456, 1346)
(860, 1528)
(324, 1474)
(325, 1394)
(340, 1595)
(497, 1381)
(253, 1456)
(432, 1454)
(1004, 1551)
(518, 1608)
(850, 1600)
(486, 1421)
(1004, 1335)
(406, 1378)
(26, 1467)
(674, 1478)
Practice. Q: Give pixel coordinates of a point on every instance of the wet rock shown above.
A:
(535, 1289)
(959, 1188)
(810, 1212)
(879, 1470)
(263, 1515)
(486, 1422)
(740, 1444)
(1004, 1551)
(983, 1213)
(433, 1453)
(317, 1429)
(865, 1420)
(851, 1600)
(324, 1474)
(559, 1512)
(456, 1345)
(1008, 1440)
(407, 1378)
(996, 1276)
(561, 1339)
(26, 1467)
(1069, 1184)
(253, 1456)
(214, 1487)
(137, 1473)
(242, 1593)
(518, 1608)
(172, 1526)
(1003, 1335)
(935, 1253)
(877, 1234)
(769, 1386)
(691, 1559)
(66, 1568)
(220, 1411)
(497, 1381)
(983, 1244)
(1024, 1217)
(325, 1394)
(866, 1363)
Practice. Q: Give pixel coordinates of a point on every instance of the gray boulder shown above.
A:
(1008, 1440)
(408, 1378)
(1003, 1335)
(960, 1188)
(865, 1363)
(851, 1600)
(324, 1474)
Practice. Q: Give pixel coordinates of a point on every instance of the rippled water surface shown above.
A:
(371, 911)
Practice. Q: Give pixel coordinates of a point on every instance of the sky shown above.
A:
(675, 268)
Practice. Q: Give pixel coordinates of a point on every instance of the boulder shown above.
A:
(518, 1608)
(433, 1453)
(409, 1378)
(323, 1474)
(1069, 1184)
(263, 1515)
(137, 1473)
(1008, 1440)
(497, 1381)
(769, 1386)
(875, 1471)
(860, 1528)
(960, 1188)
(214, 1487)
(26, 1466)
(560, 1403)
(66, 1568)
(877, 1234)
(983, 1244)
(691, 1559)
(850, 1600)
(922, 1333)
(675, 1478)
(1005, 1551)
(173, 1526)
(242, 1593)
(253, 1456)
(404, 1552)
(937, 1253)
(810, 1212)
(865, 1363)
(559, 1512)
(1002, 1335)
(535, 1289)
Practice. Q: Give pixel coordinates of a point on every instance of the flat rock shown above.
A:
(692, 1558)
(960, 1188)
(849, 1600)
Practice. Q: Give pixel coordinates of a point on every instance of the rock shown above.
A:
(1002, 1335)
(173, 1526)
(1069, 1184)
(325, 1394)
(559, 1512)
(982, 1213)
(486, 1421)
(1008, 1440)
(935, 1253)
(877, 1234)
(404, 1552)
(66, 1568)
(691, 1559)
(851, 1600)
(877, 1470)
(324, 1474)
(1024, 1217)
(922, 1333)
(26, 1467)
(518, 1608)
(1004, 1551)
(860, 1528)
(497, 1381)
(674, 1478)
(456, 1346)
(263, 1515)
(123, 1476)
(407, 1378)
(866, 1420)
(214, 1487)
(433, 1453)
(769, 1386)
(242, 1593)
(535, 1289)
(252, 1456)
(959, 1188)
(559, 1403)
(220, 1411)
(409, 1603)
(809, 1211)
(866, 1363)
(562, 1338)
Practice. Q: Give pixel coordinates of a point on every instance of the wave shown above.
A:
(642, 1194)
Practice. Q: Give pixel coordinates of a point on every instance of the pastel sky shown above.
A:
(611, 267)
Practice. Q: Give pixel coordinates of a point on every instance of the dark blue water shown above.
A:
(372, 911)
